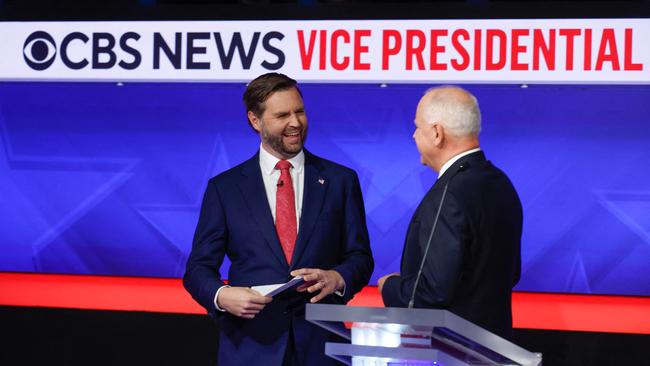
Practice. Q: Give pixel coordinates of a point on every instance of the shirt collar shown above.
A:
(268, 161)
(451, 161)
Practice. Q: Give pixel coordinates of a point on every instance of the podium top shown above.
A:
(422, 325)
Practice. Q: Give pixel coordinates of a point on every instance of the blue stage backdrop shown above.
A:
(99, 178)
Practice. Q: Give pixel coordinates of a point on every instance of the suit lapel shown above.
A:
(315, 187)
(252, 189)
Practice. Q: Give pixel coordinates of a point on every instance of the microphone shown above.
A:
(280, 183)
(461, 168)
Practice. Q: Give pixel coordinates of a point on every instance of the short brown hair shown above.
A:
(260, 89)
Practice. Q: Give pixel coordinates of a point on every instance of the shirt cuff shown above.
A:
(216, 296)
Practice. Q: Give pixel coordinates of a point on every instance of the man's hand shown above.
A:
(382, 280)
(318, 279)
(242, 301)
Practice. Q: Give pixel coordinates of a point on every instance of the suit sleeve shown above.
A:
(442, 267)
(357, 263)
(202, 278)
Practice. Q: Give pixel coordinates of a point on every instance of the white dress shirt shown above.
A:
(451, 161)
(270, 176)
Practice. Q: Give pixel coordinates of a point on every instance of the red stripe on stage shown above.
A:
(164, 295)
(598, 313)
(591, 313)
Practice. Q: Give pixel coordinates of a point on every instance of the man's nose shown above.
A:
(294, 120)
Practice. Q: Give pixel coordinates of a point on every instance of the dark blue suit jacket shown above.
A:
(474, 258)
(236, 221)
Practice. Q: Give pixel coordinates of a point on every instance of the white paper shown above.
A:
(272, 290)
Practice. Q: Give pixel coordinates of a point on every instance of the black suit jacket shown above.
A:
(474, 259)
(236, 221)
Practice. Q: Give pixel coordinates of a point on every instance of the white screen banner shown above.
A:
(411, 51)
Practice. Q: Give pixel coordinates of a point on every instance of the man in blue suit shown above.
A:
(285, 212)
(465, 235)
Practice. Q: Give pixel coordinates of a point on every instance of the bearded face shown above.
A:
(283, 125)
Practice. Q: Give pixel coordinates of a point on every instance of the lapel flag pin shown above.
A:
(321, 180)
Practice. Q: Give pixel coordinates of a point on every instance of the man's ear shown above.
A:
(254, 121)
(438, 134)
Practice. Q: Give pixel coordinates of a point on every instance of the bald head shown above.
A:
(447, 122)
(453, 107)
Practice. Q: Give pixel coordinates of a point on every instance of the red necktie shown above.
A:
(285, 210)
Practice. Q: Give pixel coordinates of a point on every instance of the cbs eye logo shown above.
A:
(39, 50)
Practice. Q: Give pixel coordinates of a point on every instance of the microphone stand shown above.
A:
(433, 229)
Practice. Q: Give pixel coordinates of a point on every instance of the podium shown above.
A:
(410, 337)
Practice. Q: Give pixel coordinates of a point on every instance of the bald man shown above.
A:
(471, 258)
